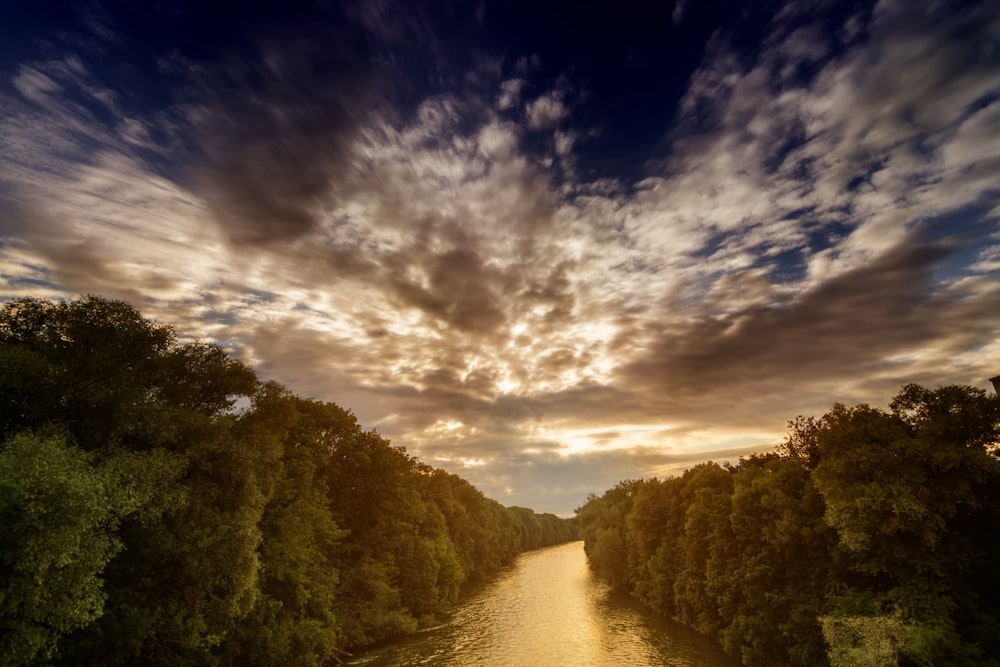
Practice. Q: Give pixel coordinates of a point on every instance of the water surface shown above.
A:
(548, 609)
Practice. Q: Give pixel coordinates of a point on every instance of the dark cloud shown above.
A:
(276, 130)
(553, 292)
(456, 288)
(840, 329)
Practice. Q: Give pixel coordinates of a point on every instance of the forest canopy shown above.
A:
(869, 538)
(163, 505)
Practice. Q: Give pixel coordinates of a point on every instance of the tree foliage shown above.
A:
(147, 520)
(868, 538)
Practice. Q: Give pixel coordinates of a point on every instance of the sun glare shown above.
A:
(507, 385)
(471, 463)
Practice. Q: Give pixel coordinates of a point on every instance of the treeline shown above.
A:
(149, 518)
(870, 538)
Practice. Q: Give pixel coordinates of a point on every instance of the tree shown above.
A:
(60, 511)
(121, 388)
(602, 526)
(873, 530)
(708, 489)
(292, 621)
(800, 443)
(779, 565)
(656, 539)
(147, 520)
(906, 492)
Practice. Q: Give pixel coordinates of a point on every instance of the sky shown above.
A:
(542, 245)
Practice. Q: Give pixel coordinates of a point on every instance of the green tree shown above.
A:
(603, 528)
(292, 621)
(708, 489)
(906, 492)
(147, 521)
(120, 386)
(655, 537)
(778, 565)
(865, 641)
(60, 511)
(868, 538)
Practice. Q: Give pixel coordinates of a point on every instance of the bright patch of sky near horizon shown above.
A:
(545, 248)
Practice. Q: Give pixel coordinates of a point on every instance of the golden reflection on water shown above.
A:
(549, 610)
(541, 612)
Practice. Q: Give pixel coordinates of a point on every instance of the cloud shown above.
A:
(680, 9)
(546, 111)
(35, 85)
(817, 223)
(510, 94)
(457, 291)
(498, 139)
(839, 332)
(276, 132)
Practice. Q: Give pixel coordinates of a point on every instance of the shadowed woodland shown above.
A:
(160, 504)
(163, 505)
(869, 538)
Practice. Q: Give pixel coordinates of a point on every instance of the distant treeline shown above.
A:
(871, 538)
(146, 520)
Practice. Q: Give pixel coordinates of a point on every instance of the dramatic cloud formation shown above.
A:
(543, 248)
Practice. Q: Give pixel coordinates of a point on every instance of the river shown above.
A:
(548, 609)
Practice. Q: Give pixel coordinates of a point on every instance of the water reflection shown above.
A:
(549, 610)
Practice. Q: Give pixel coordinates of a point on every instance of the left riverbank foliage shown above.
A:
(162, 505)
(868, 539)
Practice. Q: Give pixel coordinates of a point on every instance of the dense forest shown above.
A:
(869, 538)
(162, 505)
